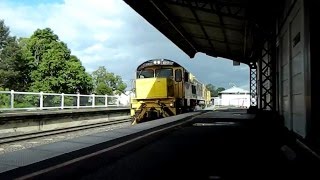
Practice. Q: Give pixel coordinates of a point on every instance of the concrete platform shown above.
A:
(26, 161)
(211, 147)
(17, 114)
(229, 144)
(28, 122)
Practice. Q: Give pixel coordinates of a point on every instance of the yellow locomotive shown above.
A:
(164, 88)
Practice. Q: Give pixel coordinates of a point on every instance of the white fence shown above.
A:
(12, 100)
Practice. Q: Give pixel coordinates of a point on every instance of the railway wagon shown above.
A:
(164, 88)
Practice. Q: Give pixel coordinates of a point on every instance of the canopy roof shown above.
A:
(220, 28)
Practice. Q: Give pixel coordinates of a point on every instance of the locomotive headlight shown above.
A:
(172, 104)
(154, 62)
(158, 62)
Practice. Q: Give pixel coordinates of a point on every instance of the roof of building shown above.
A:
(234, 90)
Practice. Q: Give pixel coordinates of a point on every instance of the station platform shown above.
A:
(215, 145)
(13, 122)
(23, 113)
(226, 144)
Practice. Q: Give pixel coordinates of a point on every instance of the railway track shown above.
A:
(33, 135)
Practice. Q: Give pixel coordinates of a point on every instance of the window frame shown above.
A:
(139, 73)
(175, 75)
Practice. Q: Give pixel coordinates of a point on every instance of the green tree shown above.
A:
(107, 83)
(52, 68)
(4, 34)
(4, 99)
(13, 67)
(214, 92)
(212, 89)
(219, 89)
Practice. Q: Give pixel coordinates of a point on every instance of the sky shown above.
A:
(109, 33)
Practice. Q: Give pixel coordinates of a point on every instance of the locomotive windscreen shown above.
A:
(165, 72)
(146, 73)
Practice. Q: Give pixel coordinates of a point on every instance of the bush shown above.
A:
(4, 99)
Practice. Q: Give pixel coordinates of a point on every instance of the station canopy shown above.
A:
(231, 29)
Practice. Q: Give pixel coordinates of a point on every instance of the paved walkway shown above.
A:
(217, 145)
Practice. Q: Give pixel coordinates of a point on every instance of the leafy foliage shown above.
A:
(53, 68)
(107, 83)
(214, 92)
(211, 88)
(4, 34)
(219, 89)
(4, 99)
(12, 65)
(42, 62)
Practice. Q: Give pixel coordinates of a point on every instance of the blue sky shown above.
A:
(109, 33)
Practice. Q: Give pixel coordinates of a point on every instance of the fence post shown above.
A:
(118, 101)
(41, 100)
(12, 99)
(93, 100)
(106, 100)
(62, 100)
(78, 100)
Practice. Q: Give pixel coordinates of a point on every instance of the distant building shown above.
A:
(124, 98)
(234, 96)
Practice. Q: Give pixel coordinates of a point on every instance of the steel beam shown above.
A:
(253, 84)
(267, 75)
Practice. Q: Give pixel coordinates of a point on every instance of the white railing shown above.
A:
(12, 100)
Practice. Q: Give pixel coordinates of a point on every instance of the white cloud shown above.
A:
(73, 20)
(94, 48)
(109, 33)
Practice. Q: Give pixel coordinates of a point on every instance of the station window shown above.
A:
(178, 75)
